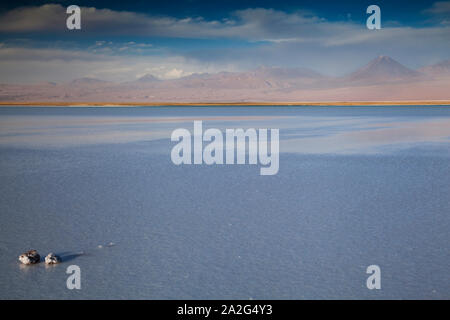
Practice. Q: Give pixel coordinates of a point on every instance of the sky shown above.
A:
(124, 40)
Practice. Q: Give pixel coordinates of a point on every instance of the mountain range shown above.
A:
(381, 79)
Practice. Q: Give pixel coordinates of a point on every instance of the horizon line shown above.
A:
(231, 103)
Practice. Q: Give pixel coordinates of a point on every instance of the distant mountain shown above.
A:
(87, 81)
(221, 80)
(262, 78)
(382, 69)
(438, 69)
(381, 79)
(46, 83)
(284, 73)
(147, 78)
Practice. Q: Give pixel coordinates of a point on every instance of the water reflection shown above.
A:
(298, 133)
(371, 137)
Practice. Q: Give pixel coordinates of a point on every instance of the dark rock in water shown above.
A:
(30, 257)
(52, 259)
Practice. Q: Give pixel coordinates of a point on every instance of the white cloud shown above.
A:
(174, 73)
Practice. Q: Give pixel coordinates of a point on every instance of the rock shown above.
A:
(52, 259)
(30, 257)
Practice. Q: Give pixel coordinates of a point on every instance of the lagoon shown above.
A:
(356, 186)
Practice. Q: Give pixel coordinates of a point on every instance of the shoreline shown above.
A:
(249, 103)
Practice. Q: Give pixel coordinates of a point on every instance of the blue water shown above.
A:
(357, 186)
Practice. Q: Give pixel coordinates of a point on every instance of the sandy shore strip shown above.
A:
(249, 103)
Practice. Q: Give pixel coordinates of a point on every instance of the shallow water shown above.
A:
(357, 186)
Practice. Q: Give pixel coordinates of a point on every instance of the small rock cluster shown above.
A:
(30, 257)
(33, 257)
(52, 259)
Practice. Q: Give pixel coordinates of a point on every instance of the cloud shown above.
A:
(52, 18)
(253, 24)
(26, 19)
(439, 8)
(29, 65)
(8, 53)
(440, 11)
(174, 73)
